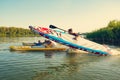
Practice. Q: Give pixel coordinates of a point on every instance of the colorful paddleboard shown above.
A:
(66, 42)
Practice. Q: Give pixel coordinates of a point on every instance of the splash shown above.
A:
(114, 52)
(111, 51)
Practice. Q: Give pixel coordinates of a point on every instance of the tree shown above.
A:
(109, 34)
(15, 32)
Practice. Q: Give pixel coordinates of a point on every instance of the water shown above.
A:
(23, 65)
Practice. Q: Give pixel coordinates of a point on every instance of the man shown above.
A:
(38, 44)
(49, 44)
(70, 31)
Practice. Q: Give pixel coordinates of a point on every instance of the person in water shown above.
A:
(70, 31)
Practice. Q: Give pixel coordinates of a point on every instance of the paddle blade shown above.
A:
(52, 26)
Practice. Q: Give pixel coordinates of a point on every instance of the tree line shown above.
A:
(15, 32)
(107, 35)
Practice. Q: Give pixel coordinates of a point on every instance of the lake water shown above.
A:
(23, 65)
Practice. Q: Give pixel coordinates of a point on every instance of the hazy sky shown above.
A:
(81, 15)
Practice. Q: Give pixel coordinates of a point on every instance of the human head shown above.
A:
(70, 30)
(39, 41)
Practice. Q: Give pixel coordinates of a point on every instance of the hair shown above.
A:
(70, 30)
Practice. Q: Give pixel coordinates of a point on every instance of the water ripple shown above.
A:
(19, 65)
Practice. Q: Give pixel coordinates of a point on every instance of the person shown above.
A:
(38, 44)
(70, 31)
(49, 44)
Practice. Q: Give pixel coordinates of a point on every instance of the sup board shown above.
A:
(66, 39)
(37, 48)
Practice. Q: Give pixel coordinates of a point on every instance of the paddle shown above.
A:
(54, 27)
(73, 34)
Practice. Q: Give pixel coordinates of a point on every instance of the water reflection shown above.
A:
(71, 58)
(28, 65)
(65, 69)
(72, 63)
(49, 54)
(71, 55)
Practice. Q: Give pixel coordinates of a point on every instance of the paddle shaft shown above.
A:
(53, 27)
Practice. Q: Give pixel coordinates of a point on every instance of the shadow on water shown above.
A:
(47, 54)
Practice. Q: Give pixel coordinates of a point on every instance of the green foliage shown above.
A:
(15, 32)
(109, 34)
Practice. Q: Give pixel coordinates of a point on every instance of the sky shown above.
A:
(80, 15)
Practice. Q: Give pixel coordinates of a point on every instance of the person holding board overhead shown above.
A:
(70, 31)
